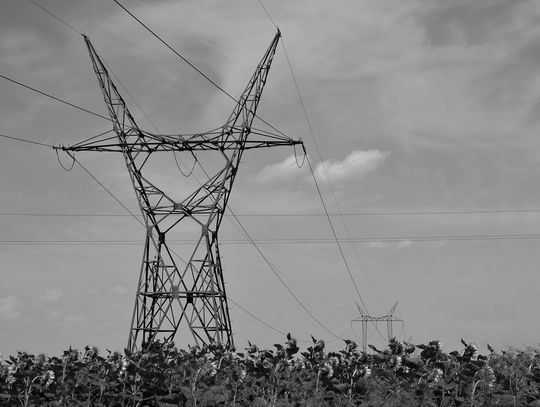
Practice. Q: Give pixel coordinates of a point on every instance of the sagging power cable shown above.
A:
(108, 191)
(310, 128)
(191, 64)
(328, 179)
(277, 274)
(54, 97)
(54, 16)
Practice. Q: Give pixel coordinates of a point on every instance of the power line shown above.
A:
(268, 14)
(331, 189)
(310, 128)
(94, 137)
(54, 97)
(108, 67)
(329, 183)
(191, 64)
(367, 239)
(174, 51)
(54, 16)
(286, 215)
(118, 201)
(335, 236)
(108, 191)
(26, 141)
(256, 317)
(276, 273)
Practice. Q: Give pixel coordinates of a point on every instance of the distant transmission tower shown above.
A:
(365, 318)
(172, 291)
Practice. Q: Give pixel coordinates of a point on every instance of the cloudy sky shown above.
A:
(426, 117)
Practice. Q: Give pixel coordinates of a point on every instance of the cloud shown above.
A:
(357, 163)
(51, 296)
(10, 308)
(287, 168)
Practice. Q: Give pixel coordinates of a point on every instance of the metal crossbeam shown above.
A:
(171, 291)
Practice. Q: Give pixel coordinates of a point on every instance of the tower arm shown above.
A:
(225, 139)
(216, 140)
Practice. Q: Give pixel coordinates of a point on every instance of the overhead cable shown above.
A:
(258, 319)
(310, 128)
(335, 235)
(305, 157)
(277, 274)
(308, 121)
(190, 63)
(278, 215)
(26, 141)
(374, 239)
(54, 97)
(108, 191)
(54, 16)
(268, 14)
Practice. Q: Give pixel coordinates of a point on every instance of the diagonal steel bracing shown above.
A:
(175, 292)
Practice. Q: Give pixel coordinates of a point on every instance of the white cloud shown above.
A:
(51, 296)
(10, 308)
(357, 163)
(278, 171)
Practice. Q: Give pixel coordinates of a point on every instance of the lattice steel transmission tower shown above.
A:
(172, 291)
(365, 318)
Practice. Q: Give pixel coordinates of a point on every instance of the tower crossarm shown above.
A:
(216, 140)
(233, 135)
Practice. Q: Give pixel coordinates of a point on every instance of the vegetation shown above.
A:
(401, 375)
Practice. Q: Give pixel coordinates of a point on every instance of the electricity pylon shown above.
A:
(172, 291)
(365, 318)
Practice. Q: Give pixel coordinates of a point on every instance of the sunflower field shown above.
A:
(403, 374)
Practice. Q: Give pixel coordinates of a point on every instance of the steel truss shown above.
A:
(365, 318)
(172, 291)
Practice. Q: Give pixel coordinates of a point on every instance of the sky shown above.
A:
(425, 114)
